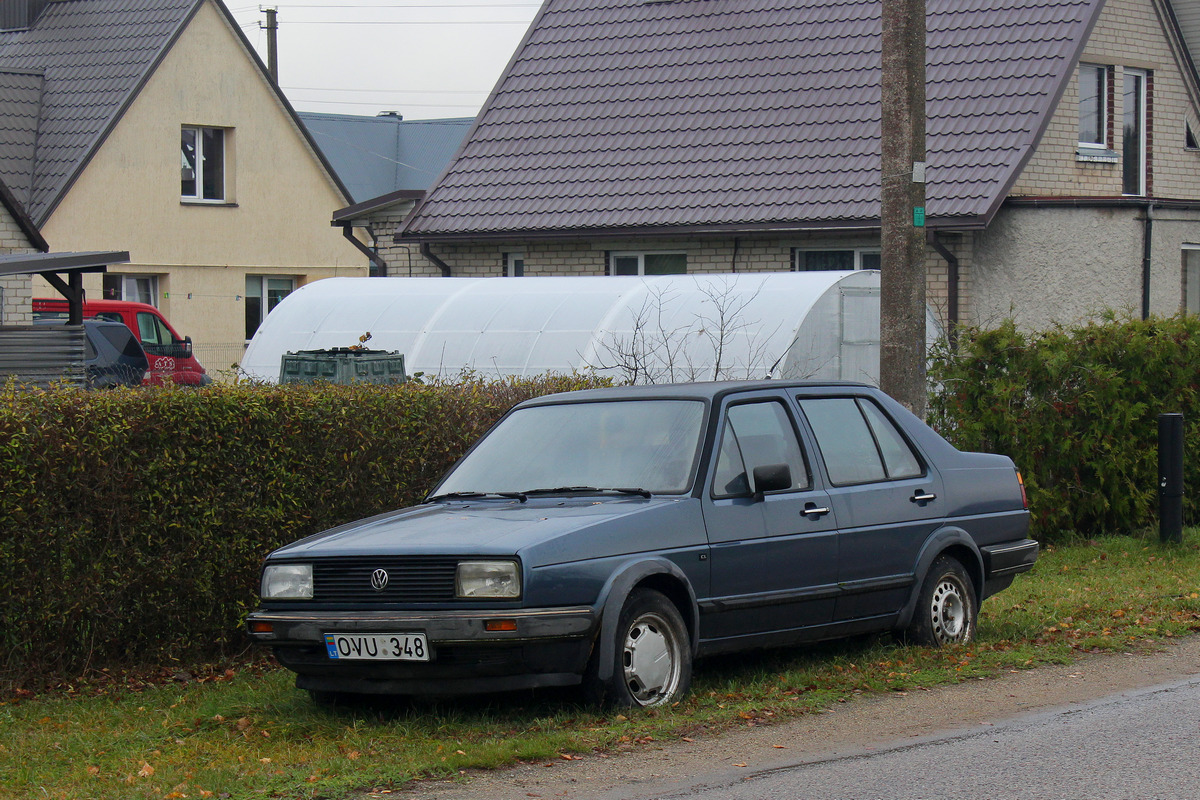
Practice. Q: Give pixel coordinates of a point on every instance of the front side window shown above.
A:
(756, 435)
(1093, 105)
(824, 260)
(263, 293)
(202, 163)
(647, 263)
(858, 443)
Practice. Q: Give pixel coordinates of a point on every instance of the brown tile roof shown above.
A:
(696, 115)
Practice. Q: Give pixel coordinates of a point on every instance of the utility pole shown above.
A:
(902, 199)
(272, 29)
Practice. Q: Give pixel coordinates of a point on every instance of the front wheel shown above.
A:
(947, 611)
(653, 655)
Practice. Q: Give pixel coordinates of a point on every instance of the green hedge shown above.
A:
(133, 522)
(1077, 409)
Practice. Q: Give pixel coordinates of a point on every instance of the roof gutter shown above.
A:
(442, 265)
(372, 255)
(952, 266)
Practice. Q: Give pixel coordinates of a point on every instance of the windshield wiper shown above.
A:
(472, 495)
(571, 489)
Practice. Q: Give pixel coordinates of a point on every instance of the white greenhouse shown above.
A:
(658, 329)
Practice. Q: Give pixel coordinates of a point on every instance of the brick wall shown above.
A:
(1129, 34)
(16, 292)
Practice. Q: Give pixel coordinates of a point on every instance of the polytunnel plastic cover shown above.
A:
(654, 329)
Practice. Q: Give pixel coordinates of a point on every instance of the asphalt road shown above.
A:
(1136, 745)
(1105, 728)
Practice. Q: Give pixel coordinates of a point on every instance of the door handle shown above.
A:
(921, 496)
(813, 510)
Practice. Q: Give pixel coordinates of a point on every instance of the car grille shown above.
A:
(411, 579)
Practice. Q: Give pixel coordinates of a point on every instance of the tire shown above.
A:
(652, 655)
(947, 611)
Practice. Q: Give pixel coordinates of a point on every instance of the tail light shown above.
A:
(1024, 497)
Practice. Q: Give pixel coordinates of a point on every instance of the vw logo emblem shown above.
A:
(379, 579)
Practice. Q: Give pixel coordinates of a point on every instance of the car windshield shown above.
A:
(649, 445)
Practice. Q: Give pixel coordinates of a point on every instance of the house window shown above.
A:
(263, 293)
(202, 163)
(647, 264)
(1093, 106)
(1191, 279)
(514, 265)
(823, 260)
(1134, 140)
(134, 288)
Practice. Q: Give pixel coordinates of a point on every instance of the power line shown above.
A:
(391, 91)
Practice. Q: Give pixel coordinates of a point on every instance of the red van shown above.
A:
(170, 355)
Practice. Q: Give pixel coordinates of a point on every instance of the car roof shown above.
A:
(700, 390)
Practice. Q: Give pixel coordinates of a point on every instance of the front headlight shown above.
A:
(495, 579)
(287, 582)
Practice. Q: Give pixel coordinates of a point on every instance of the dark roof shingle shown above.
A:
(714, 114)
(93, 55)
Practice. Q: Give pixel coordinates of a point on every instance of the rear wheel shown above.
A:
(947, 611)
(652, 652)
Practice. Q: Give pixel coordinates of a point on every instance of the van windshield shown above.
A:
(649, 445)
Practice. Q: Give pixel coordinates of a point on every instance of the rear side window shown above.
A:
(858, 442)
(120, 338)
(756, 435)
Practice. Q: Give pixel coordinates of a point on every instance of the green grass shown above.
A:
(250, 734)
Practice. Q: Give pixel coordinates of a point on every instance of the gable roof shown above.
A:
(21, 217)
(376, 156)
(92, 58)
(692, 116)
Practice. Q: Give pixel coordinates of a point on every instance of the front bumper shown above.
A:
(545, 647)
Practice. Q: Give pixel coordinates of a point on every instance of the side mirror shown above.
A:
(771, 478)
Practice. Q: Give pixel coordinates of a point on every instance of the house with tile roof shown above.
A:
(386, 163)
(151, 126)
(635, 137)
(18, 236)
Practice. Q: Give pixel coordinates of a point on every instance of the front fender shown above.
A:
(612, 598)
(939, 542)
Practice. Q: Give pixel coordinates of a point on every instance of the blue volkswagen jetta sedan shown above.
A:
(610, 537)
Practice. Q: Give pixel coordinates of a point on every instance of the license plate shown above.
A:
(377, 646)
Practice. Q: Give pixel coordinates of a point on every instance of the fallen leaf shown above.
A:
(146, 771)
(740, 764)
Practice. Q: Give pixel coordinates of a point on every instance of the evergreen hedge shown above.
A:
(1077, 409)
(133, 522)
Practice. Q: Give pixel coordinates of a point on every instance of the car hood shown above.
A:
(494, 527)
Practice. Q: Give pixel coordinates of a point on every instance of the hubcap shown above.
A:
(651, 660)
(949, 613)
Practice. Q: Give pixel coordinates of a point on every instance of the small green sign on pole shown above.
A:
(919, 216)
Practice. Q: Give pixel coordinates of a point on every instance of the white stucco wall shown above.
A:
(279, 200)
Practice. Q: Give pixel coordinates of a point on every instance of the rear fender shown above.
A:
(961, 546)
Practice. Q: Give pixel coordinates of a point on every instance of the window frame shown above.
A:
(1142, 119)
(716, 493)
(1103, 112)
(263, 298)
(1190, 288)
(858, 401)
(858, 253)
(514, 265)
(640, 255)
(201, 165)
(123, 288)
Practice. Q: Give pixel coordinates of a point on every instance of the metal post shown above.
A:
(272, 28)
(1170, 478)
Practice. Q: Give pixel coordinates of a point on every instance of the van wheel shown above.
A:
(947, 611)
(652, 652)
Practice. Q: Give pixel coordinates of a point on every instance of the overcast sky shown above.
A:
(426, 59)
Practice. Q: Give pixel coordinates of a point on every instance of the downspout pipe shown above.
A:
(1147, 253)
(952, 281)
(374, 257)
(442, 265)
